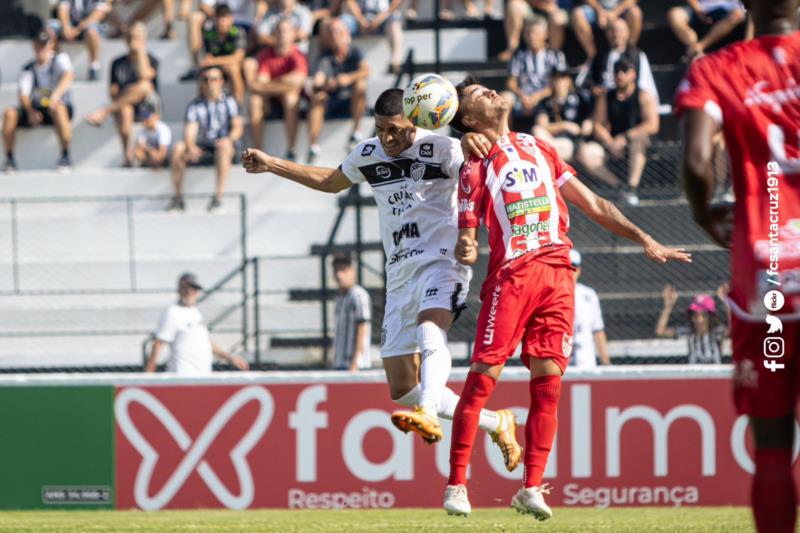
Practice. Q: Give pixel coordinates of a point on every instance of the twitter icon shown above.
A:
(775, 325)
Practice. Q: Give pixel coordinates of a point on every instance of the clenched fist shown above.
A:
(466, 250)
(255, 161)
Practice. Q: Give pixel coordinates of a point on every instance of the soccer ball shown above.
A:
(430, 101)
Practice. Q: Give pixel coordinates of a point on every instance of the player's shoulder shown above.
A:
(430, 145)
(366, 148)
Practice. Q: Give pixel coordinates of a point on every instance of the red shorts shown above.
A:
(534, 304)
(759, 390)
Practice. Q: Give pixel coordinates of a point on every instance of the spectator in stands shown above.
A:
(589, 337)
(564, 118)
(211, 132)
(624, 120)
(365, 17)
(529, 72)
(717, 17)
(225, 45)
(447, 11)
(704, 334)
(80, 20)
(134, 85)
(520, 11)
(600, 14)
(142, 13)
(277, 74)
(44, 98)
(352, 317)
(183, 329)
(299, 14)
(339, 86)
(151, 148)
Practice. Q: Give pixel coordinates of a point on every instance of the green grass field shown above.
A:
(639, 520)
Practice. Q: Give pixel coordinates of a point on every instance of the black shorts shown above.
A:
(208, 157)
(47, 118)
(339, 104)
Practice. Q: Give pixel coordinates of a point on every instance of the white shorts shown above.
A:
(441, 285)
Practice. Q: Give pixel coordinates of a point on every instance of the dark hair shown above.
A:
(458, 119)
(342, 260)
(204, 70)
(222, 10)
(623, 64)
(389, 103)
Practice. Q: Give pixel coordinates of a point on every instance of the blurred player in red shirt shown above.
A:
(749, 91)
(519, 190)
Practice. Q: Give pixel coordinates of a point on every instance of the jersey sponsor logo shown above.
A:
(367, 150)
(488, 332)
(519, 176)
(383, 172)
(465, 206)
(384, 330)
(426, 150)
(528, 206)
(404, 254)
(431, 292)
(443, 251)
(757, 96)
(408, 231)
(530, 229)
(417, 171)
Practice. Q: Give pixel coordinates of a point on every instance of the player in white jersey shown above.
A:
(413, 175)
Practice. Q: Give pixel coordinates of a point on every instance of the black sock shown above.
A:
(9, 155)
(65, 152)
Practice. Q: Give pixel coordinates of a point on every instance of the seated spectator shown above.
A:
(142, 13)
(80, 20)
(339, 85)
(225, 44)
(564, 118)
(594, 14)
(447, 12)
(365, 17)
(134, 84)
(518, 12)
(624, 120)
(352, 316)
(589, 340)
(210, 135)
(151, 148)
(530, 68)
(717, 17)
(44, 98)
(277, 73)
(704, 334)
(299, 14)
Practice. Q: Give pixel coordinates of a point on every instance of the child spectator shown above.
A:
(154, 140)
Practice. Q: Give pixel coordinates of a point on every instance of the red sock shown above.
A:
(476, 391)
(773, 492)
(540, 430)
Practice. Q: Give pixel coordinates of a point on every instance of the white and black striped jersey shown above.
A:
(213, 117)
(353, 307)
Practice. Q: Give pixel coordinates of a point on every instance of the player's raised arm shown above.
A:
(318, 178)
(607, 215)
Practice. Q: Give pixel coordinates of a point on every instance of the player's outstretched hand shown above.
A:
(655, 251)
(255, 161)
(466, 250)
(475, 144)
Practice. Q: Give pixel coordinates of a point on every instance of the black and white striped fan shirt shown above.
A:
(353, 307)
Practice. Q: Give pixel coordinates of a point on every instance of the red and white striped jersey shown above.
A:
(515, 190)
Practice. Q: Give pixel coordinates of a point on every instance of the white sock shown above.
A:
(489, 421)
(411, 398)
(436, 363)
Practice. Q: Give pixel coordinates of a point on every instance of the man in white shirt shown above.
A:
(182, 327)
(589, 336)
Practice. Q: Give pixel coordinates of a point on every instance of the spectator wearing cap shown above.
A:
(352, 316)
(81, 20)
(300, 15)
(529, 71)
(134, 86)
(520, 11)
(183, 329)
(704, 334)
(366, 17)
(564, 118)
(277, 74)
(600, 14)
(624, 120)
(151, 148)
(589, 337)
(717, 18)
(43, 90)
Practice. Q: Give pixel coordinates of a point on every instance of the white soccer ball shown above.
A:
(430, 101)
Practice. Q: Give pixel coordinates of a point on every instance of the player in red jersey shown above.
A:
(519, 190)
(751, 92)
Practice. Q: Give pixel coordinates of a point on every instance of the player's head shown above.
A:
(136, 36)
(285, 33)
(43, 46)
(392, 126)
(211, 81)
(479, 107)
(343, 271)
(223, 18)
(619, 34)
(702, 313)
(575, 261)
(535, 32)
(624, 74)
(189, 289)
(764, 12)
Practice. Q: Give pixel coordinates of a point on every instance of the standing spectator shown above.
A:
(339, 86)
(225, 45)
(44, 99)
(152, 144)
(211, 132)
(520, 11)
(277, 73)
(183, 329)
(717, 17)
(624, 120)
(299, 14)
(353, 317)
(564, 118)
(588, 337)
(134, 85)
(364, 17)
(80, 20)
(704, 335)
(600, 14)
(529, 72)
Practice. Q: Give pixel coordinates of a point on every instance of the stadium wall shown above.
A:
(627, 436)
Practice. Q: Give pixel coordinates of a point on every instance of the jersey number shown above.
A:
(776, 138)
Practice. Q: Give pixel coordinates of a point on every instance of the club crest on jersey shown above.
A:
(426, 150)
(518, 176)
(367, 150)
(383, 172)
(566, 345)
(527, 145)
(417, 170)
